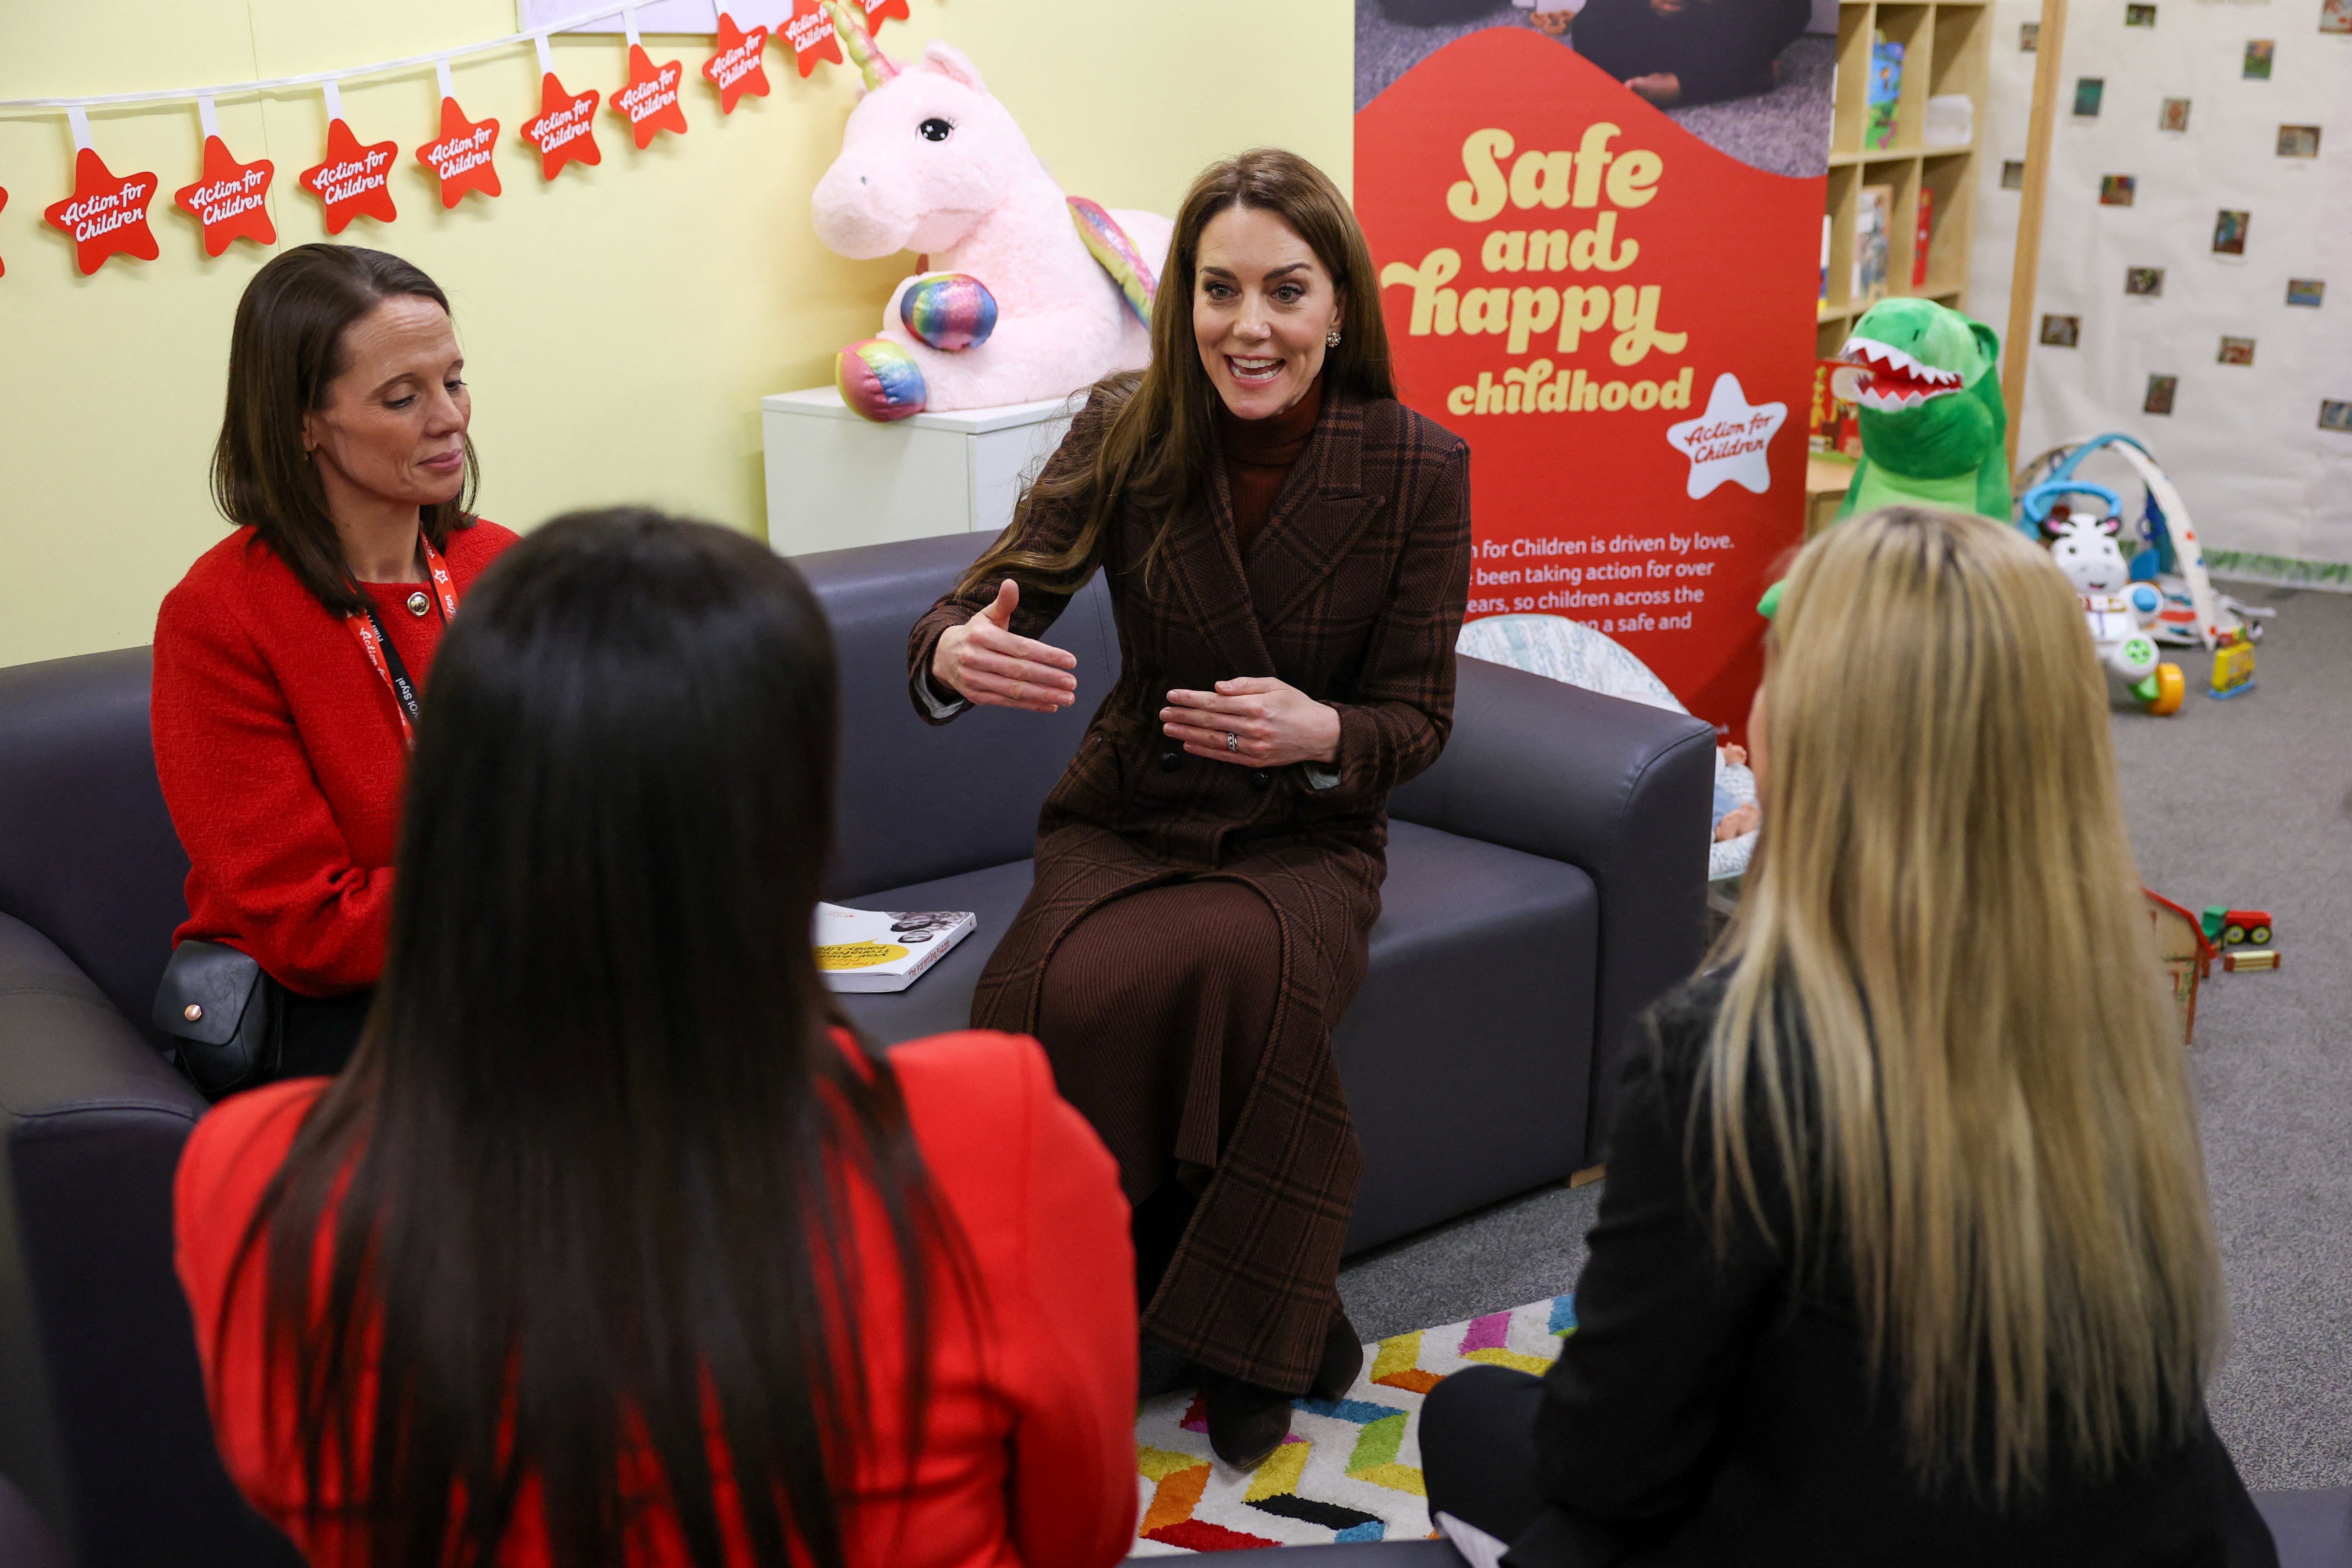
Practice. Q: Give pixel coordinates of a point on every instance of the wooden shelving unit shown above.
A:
(1946, 47)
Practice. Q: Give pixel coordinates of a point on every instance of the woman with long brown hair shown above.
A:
(614, 1247)
(1287, 552)
(1905, 1254)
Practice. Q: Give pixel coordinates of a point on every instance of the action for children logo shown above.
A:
(352, 181)
(462, 159)
(1729, 440)
(565, 130)
(231, 201)
(649, 103)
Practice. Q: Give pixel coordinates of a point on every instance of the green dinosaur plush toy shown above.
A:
(1933, 426)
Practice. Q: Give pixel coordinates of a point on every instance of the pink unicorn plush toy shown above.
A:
(1036, 294)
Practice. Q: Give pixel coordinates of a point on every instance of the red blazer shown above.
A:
(1029, 1457)
(280, 751)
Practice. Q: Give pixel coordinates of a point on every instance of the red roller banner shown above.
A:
(1618, 319)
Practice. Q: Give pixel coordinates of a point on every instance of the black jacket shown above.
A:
(1708, 1409)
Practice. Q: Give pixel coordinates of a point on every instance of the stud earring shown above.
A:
(1331, 338)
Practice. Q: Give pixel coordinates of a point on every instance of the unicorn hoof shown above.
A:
(879, 380)
(949, 311)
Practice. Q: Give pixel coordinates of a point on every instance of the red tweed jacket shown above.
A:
(280, 751)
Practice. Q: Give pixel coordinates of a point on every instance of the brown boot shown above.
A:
(1343, 1360)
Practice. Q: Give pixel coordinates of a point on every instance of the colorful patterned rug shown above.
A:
(1351, 1469)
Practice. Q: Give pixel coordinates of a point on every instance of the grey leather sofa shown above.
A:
(1546, 880)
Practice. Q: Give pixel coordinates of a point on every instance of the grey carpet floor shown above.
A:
(1784, 131)
(2246, 802)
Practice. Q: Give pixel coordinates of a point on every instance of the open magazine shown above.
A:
(876, 950)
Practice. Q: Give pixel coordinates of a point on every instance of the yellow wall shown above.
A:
(621, 323)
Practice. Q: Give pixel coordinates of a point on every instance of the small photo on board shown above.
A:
(2237, 351)
(2139, 16)
(2061, 331)
(2174, 115)
(2298, 141)
(2306, 292)
(2161, 389)
(2088, 90)
(2336, 16)
(2147, 280)
(2116, 190)
(2013, 175)
(2258, 59)
(2333, 415)
(2029, 37)
(2230, 232)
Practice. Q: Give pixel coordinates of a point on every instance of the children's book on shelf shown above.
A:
(876, 950)
(1884, 89)
(1919, 232)
(1873, 226)
(1835, 430)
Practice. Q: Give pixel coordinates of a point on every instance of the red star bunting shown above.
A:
(649, 103)
(564, 130)
(354, 180)
(462, 158)
(106, 214)
(880, 10)
(4, 208)
(808, 33)
(738, 71)
(230, 199)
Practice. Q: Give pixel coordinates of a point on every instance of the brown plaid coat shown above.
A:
(1353, 592)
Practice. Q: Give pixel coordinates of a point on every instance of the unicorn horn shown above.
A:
(860, 44)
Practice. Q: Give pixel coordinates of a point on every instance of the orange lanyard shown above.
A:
(386, 659)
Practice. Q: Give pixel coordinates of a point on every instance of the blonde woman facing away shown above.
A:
(1905, 1254)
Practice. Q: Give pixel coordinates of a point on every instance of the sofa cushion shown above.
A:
(916, 803)
(88, 857)
(2313, 1529)
(1481, 953)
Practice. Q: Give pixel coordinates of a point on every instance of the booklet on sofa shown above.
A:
(874, 950)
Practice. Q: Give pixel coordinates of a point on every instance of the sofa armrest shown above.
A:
(95, 1123)
(1616, 789)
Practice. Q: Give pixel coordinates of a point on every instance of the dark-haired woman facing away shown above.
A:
(1287, 552)
(613, 1246)
(281, 734)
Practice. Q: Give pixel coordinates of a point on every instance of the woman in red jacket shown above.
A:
(613, 1245)
(289, 660)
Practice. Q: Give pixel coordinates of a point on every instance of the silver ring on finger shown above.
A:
(1233, 741)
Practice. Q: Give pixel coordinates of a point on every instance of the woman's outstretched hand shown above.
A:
(983, 662)
(1257, 721)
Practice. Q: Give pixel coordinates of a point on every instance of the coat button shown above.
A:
(418, 604)
(191, 1012)
(1261, 780)
(1169, 760)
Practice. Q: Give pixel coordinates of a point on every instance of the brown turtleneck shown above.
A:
(1258, 455)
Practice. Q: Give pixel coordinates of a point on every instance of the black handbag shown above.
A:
(227, 1016)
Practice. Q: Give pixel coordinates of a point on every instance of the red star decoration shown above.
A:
(739, 67)
(880, 10)
(565, 129)
(461, 160)
(229, 199)
(649, 102)
(4, 208)
(354, 179)
(106, 214)
(808, 33)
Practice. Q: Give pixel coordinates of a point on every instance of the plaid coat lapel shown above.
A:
(1208, 578)
(1317, 515)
